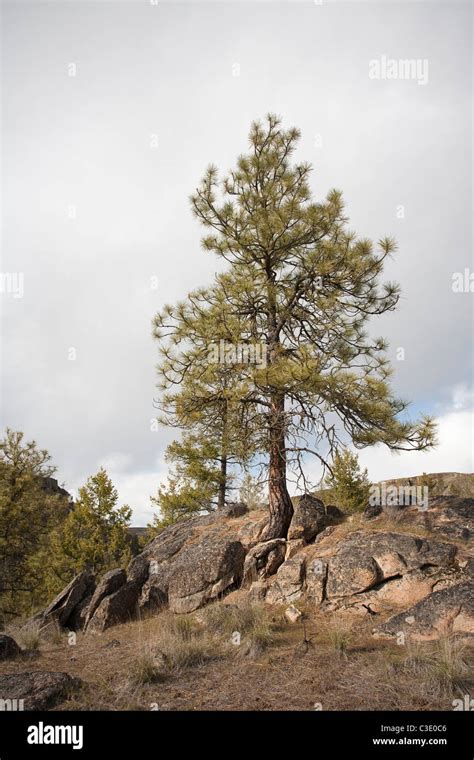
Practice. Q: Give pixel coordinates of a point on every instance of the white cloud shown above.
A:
(453, 454)
(116, 462)
(135, 490)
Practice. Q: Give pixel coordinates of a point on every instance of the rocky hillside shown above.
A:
(409, 565)
(439, 483)
(403, 576)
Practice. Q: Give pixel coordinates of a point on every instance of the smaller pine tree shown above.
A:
(427, 481)
(349, 485)
(94, 535)
(193, 485)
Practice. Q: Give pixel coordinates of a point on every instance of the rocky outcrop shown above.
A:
(168, 543)
(445, 612)
(119, 607)
(364, 571)
(109, 584)
(316, 580)
(187, 567)
(334, 513)
(152, 597)
(322, 563)
(8, 647)
(289, 581)
(204, 572)
(61, 608)
(138, 569)
(251, 531)
(449, 516)
(183, 568)
(78, 618)
(364, 560)
(234, 509)
(263, 560)
(309, 518)
(36, 691)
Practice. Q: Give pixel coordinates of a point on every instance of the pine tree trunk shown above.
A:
(223, 460)
(280, 505)
(222, 483)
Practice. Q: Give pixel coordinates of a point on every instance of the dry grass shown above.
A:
(443, 666)
(189, 653)
(145, 669)
(57, 636)
(188, 663)
(178, 642)
(339, 635)
(247, 624)
(29, 638)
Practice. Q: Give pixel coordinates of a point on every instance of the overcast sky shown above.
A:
(93, 212)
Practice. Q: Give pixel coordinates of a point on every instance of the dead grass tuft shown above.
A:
(145, 669)
(248, 624)
(338, 633)
(29, 638)
(442, 666)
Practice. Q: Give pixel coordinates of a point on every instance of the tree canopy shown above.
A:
(302, 286)
(28, 515)
(94, 535)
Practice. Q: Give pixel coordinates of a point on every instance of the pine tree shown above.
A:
(350, 487)
(195, 483)
(28, 513)
(200, 395)
(94, 536)
(302, 286)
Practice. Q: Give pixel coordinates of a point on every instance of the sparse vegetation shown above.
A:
(249, 625)
(184, 644)
(144, 668)
(373, 674)
(29, 638)
(226, 618)
(339, 635)
(443, 665)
